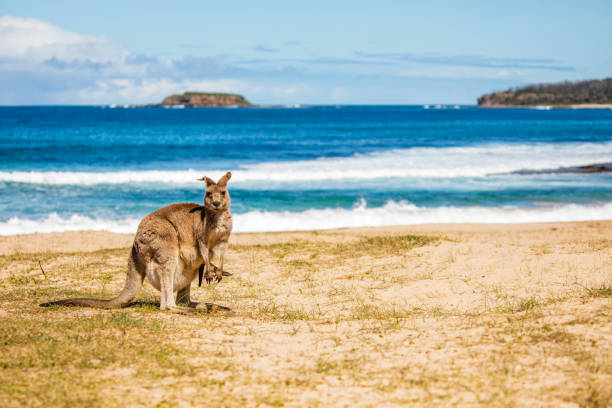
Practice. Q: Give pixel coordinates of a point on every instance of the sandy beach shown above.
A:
(430, 315)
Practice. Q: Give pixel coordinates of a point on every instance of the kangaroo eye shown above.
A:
(223, 193)
(208, 194)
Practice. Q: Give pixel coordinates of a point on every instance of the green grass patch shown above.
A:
(605, 290)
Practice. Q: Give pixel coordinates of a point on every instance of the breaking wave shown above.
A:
(421, 162)
(393, 213)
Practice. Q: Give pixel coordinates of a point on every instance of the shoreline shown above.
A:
(94, 240)
(547, 107)
(390, 214)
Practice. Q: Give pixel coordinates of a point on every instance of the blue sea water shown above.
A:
(67, 168)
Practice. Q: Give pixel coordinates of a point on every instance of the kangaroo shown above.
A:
(171, 246)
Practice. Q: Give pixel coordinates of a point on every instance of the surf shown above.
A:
(361, 215)
(417, 162)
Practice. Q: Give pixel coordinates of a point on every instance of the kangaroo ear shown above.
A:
(223, 180)
(207, 180)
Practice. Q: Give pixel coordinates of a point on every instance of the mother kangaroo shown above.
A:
(170, 246)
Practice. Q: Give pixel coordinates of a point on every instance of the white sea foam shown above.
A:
(393, 213)
(403, 213)
(422, 162)
(54, 223)
(92, 178)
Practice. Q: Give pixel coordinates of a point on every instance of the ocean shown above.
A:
(103, 168)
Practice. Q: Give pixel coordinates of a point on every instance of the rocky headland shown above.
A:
(586, 169)
(584, 94)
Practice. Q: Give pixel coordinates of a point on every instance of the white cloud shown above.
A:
(35, 41)
(143, 91)
(42, 63)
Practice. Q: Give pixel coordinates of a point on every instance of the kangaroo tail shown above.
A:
(133, 283)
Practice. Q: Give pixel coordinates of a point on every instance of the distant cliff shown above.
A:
(205, 100)
(565, 94)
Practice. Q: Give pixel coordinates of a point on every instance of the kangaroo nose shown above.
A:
(216, 203)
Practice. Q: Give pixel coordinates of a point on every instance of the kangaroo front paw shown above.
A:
(214, 273)
(218, 275)
(209, 275)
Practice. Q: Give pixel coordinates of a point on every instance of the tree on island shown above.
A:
(559, 94)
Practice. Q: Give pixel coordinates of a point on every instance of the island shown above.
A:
(583, 94)
(204, 100)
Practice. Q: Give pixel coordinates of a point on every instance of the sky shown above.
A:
(283, 52)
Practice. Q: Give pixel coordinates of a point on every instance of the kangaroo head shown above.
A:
(217, 197)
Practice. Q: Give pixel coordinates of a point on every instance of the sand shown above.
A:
(431, 315)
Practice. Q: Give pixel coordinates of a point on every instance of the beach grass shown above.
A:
(420, 316)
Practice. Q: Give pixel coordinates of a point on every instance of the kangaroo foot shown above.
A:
(181, 309)
(211, 307)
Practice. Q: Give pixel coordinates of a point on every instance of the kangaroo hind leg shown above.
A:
(219, 271)
(166, 273)
(183, 296)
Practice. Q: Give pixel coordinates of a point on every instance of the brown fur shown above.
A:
(169, 247)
